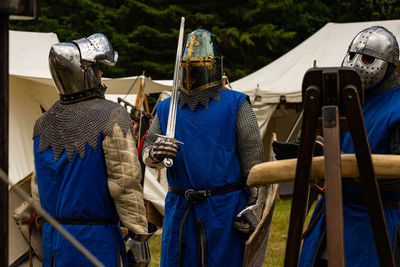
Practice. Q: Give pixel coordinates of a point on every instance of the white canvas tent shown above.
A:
(31, 87)
(282, 79)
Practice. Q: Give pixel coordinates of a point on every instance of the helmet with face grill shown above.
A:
(371, 52)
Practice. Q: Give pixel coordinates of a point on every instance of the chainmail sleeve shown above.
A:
(248, 140)
(151, 137)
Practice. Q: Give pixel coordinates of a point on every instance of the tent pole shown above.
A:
(138, 101)
(4, 37)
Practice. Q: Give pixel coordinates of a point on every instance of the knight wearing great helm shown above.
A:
(86, 164)
(374, 54)
(221, 142)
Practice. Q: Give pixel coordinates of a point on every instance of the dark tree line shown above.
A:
(251, 33)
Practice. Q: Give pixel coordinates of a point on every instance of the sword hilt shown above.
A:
(168, 162)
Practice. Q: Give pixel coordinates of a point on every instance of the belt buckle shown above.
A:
(205, 193)
(187, 193)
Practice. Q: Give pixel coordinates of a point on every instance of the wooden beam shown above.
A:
(4, 37)
(386, 166)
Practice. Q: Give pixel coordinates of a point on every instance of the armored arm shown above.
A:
(157, 147)
(248, 140)
(250, 152)
(124, 175)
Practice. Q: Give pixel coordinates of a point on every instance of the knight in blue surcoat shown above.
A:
(221, 142)
(374, 54)
(86, 164)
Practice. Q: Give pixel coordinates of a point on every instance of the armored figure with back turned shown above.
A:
(87, 169)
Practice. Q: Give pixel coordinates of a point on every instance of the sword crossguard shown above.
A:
(172, 138)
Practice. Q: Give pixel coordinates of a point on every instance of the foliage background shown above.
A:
(251, 33)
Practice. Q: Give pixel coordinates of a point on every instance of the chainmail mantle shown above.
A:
(70, 127)
(201, 97)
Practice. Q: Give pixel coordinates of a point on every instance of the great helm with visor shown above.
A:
(201, 63)
(73, 65)
(370, 53)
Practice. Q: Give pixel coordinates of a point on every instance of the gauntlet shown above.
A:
(247, 220)
(164, 147)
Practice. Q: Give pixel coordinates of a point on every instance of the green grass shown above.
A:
(155, 249)
(278, 233)
(277, 238)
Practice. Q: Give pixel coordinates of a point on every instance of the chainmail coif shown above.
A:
(69, 127)
(201, 97)
(391, 81)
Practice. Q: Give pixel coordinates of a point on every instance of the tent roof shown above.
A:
(29, 53)
(284, 76)
(28, 59)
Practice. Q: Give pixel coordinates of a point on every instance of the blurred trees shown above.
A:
(251, 33)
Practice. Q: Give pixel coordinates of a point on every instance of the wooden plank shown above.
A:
(386, 166)
(333, 190)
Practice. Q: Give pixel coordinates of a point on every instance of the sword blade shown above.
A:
(174, 97)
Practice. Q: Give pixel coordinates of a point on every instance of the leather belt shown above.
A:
(198, 195)
(194, 196)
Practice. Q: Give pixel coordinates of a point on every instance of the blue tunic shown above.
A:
(381, 113)
(208, 159)
(77, 189)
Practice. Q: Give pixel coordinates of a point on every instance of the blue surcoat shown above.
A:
(381, 112)
(207, 159)
(77, 188)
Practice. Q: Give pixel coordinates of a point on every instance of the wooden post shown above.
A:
(21, 9)
(138, 101)
(333, 182)
(4, 137)
(146, 102)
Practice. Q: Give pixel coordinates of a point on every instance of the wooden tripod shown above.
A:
(332, 102)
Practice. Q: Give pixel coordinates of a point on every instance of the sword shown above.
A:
(174, 97)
